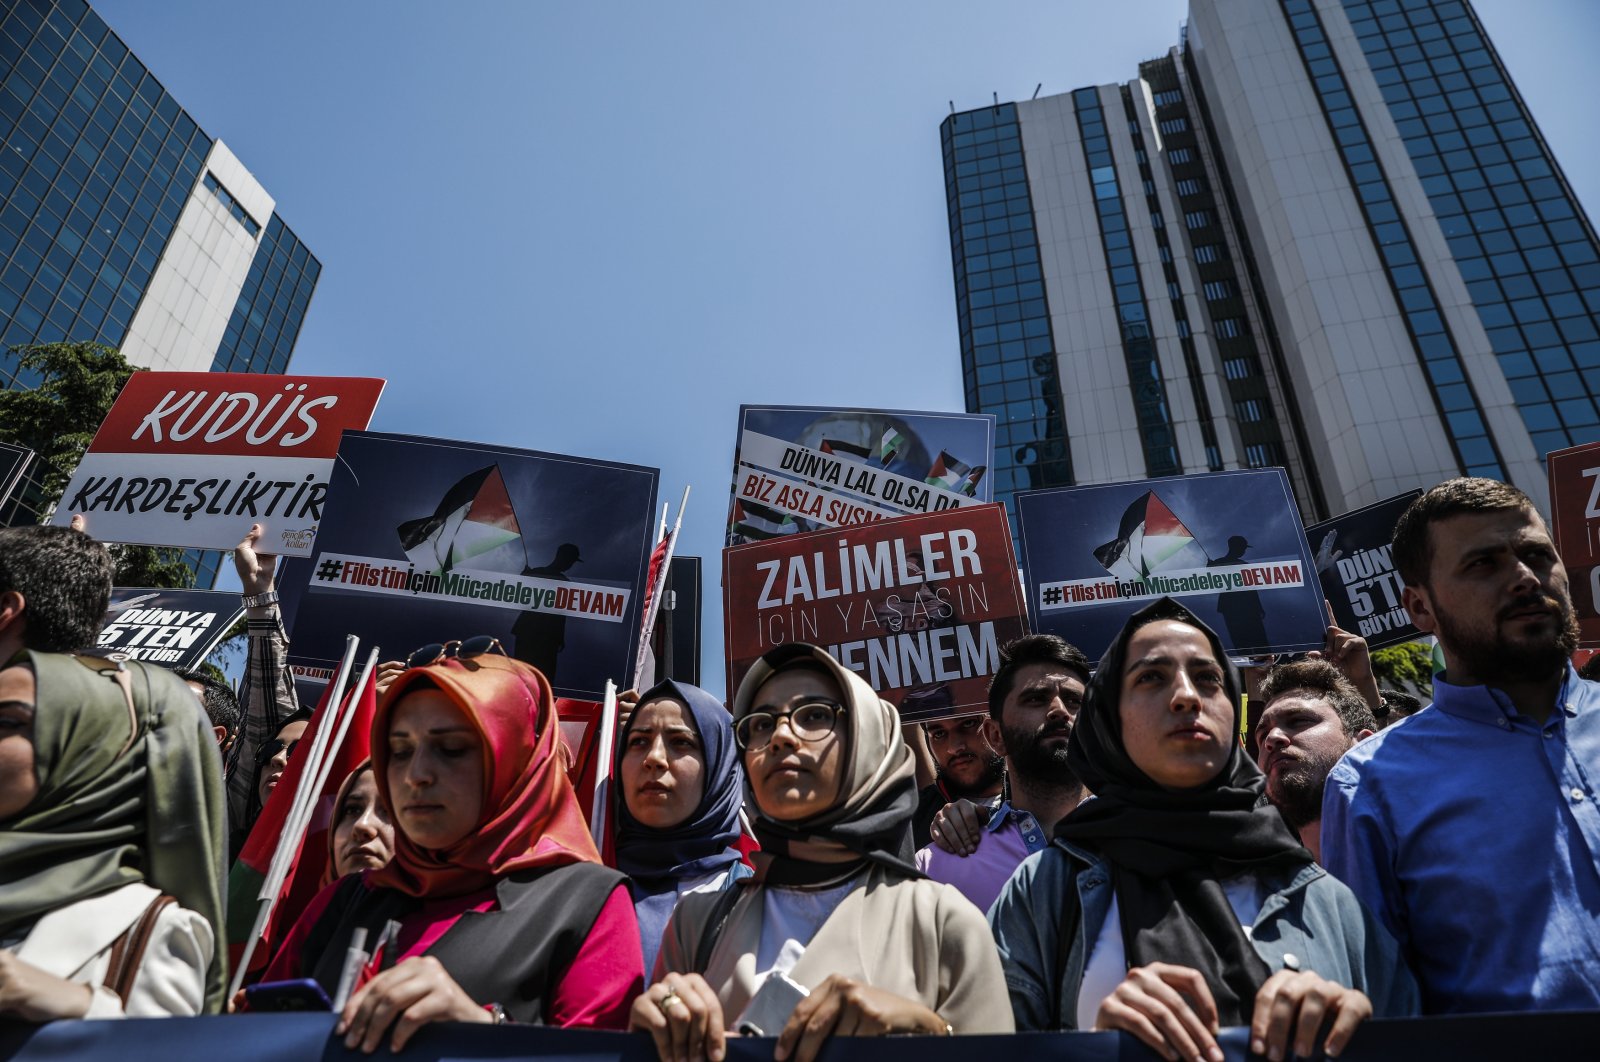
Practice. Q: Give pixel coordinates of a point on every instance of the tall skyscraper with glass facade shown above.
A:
(1319, 234)
(121, 221)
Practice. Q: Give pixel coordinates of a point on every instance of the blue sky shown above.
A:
(596, 228)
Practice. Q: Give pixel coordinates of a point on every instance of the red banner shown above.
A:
(237, 413)
(920, 606)
(1575, 522)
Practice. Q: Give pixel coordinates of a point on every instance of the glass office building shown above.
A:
(1324, 235)
(122, 221)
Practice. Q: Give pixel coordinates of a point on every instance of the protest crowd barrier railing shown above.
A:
(259, 1037)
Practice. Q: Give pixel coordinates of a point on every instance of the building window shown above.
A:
(1221, 289)
(1238, 368)
(226, 198)
(1174, 125)
(1229, 327)
(1249, 410)
(1197, 219)
(1190, 186)
(1179, 156)
(1168, 97)
(1207, 253)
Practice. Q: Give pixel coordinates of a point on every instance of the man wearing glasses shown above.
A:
(1033, 700)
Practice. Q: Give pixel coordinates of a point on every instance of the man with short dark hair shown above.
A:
(968, 765)
(1034, 698)
(1311, 716)
(55, 584)
(1472, 830)
(220, 702)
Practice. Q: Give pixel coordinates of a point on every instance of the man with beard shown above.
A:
(968, 766)
(1033, 699)
(1312, 716)
(1472, 830)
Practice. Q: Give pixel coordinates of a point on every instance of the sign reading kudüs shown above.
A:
(920, 606)
(1575, 521)
(194, 458)
(1353, 561)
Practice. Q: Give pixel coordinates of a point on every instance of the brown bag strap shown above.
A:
(127, 951)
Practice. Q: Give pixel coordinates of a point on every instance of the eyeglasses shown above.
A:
(266, 752)
(461, 649)
(811, 721)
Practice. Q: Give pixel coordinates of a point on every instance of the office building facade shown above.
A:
(123, 222)
(1324, 235)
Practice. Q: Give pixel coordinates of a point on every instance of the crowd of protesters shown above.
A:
(1102, 851)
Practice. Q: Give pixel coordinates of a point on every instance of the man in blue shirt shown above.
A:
(1471, 829)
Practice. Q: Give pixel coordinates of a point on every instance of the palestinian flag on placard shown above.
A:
(969, 486)
(839, 446)
(473, 520)
(305, 876)
(949, 473)
(892, 443)
(757, 522)
(1150, 540)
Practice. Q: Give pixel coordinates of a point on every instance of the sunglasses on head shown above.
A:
(461, 649)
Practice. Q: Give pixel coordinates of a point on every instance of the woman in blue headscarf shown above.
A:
(681, 787)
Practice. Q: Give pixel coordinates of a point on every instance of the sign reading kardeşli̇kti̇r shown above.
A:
(194, 458)
(920, 606)
(1575, 523)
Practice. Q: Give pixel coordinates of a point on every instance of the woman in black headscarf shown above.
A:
(1214, 915)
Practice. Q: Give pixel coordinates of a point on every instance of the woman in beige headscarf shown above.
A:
(836, 906)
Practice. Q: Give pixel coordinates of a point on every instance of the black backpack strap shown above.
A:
(716, 921)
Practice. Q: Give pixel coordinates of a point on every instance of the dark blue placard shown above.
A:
(582, 530)
(1088, 566)
(1351, 554)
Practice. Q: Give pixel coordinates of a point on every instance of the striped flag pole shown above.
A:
(657, 590)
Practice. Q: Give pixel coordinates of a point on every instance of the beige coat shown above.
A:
(921, 940)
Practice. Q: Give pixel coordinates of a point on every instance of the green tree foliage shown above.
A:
(77, 382)
(1409, 663)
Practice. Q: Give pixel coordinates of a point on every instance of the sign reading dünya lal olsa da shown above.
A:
(193, 459)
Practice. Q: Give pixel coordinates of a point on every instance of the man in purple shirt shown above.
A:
(1034, 698)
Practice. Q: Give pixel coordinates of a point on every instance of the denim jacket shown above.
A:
(1308, 915)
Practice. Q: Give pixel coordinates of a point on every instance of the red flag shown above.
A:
(305, 876)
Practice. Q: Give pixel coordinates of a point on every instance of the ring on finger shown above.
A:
(665, 1002)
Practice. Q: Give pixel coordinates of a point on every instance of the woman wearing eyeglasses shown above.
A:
(504, 909)
(838, 933)
(680, 789)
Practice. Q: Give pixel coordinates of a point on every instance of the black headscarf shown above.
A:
(1169, 850)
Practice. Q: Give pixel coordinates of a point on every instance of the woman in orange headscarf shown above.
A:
(505, 910)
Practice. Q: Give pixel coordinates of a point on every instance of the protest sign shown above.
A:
(429, 540)
(1227, 545)
(1351, 555)
(920, 606)
(173, 628)
(802, 468)
(14, 461)
(191, 458)
(1575, 523)
(678, 627)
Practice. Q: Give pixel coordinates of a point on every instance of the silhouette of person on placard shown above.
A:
(1242, 613)
(538, 637)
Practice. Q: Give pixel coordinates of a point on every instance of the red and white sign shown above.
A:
(1575, 522)
(193, 459)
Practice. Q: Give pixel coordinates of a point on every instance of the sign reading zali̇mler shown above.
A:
(194, 458)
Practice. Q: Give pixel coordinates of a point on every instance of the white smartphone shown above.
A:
(769, 1009)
